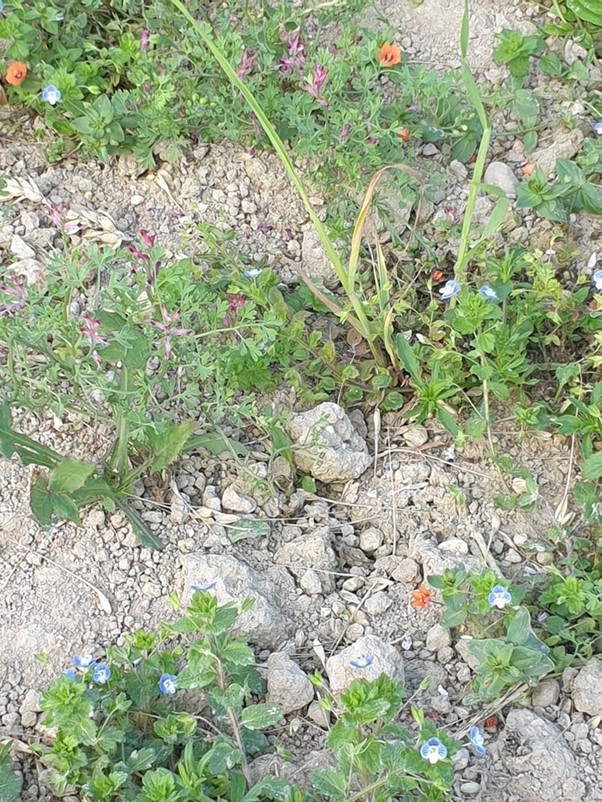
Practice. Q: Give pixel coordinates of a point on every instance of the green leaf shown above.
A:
(259, 717)
(7, 445)
(247, 528)
(451, 619)
(144, 535)
(520, 627)
(332, 784)
(586, 10)
(406, 354)
(10, 783)
(39, 501)
(65, 508)
(592, 467)
(70, 475)
(447, 420)
(168, 445)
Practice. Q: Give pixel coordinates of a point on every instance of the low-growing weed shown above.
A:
(122, 727)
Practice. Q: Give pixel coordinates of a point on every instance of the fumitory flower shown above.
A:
(476, 741)
(344, 133)
(18, 291)
(488, 293)
(247, 63)
(295, 54)
(16, 72)
(433, 751)
(167, 327)
(51, 94)
(144, 39)
(499, 597)
(168, 684)
(362, 662)
(102, 674)
(389, 55)
(421, 598)
(90, 330)
(147, 239)
(319, 76)
(449, 289)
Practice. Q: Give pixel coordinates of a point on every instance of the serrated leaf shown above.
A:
(10, 783)
(260, 717)
(332, 784)
(70, 475)
(592, 467)
(168, 445)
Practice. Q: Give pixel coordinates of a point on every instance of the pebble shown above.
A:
(437, 637)
(454, 546)
(319, 716)
(501, 176)
(430, 150)
(546, 693)
(29, 719)
(378, 603)
(470, 788)
(371, 539)
(136, 200)
(234, 501)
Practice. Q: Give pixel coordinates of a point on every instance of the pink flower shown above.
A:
(17, 291)
(148, 240)
(144, 37)
(295, 55)
(344, 133)
(167, 327)
(247, 62)
(58, 215)
(320, 74)
(90, 330)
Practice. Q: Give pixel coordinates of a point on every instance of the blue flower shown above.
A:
(255, 272)
(476, 740)
(597, 279)
(449, 289)
(362, 662)
(433, 750)
(102, 674)
(597, 128)
(51, 94)
(488, 293)
(168, 684)
(1, 6)
(84, 663)
(499, 597)
(69, 673)
(204, 586)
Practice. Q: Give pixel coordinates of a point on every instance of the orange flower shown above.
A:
(527, 169)
(437, 276)
(404, 134)
(15, 73)
(421, 598)
(389, 55)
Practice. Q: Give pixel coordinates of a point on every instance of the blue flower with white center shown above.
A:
(597, 128)
(69, 673)
(433, 751)
(1, 6)
(51, 94)
(102, 674)
(476, 741)
(84, 663)
(168, 684)
(488, 293)
(255, 272)
(205, 586)
(597, 279)
(499, 597)
(362, 662)
(449, 289)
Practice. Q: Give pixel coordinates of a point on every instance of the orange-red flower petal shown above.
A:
(421, 598)
(527, 169)
(16, 72)
(389, 55)
(404, 134)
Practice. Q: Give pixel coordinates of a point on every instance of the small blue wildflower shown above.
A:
(597, 279)
(51, 94)
(102, 674)
(449, 289)
(84, 663)
(499, 597)
(597, 128)
(1, 6)
(433, 751)
(362, 662)
(488, 293)
(476, 741)
(168, 684)
(69, 673)
(204, 586)
(254, 272)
